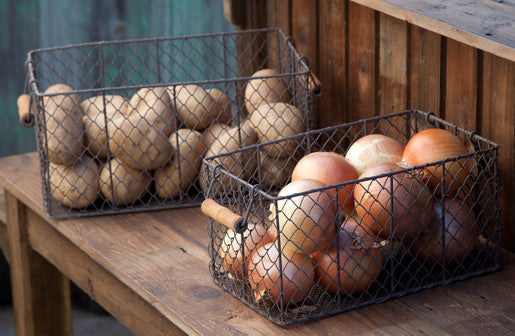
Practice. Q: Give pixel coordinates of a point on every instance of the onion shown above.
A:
(455, 223)
(373, 149)
(232, 250)
(329, 168)
(432, 145)
(306, 221)
(399, 206)
(275, 274)
(352, 263)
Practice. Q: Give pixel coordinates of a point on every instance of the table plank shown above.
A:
(150, 270)
(494, 32)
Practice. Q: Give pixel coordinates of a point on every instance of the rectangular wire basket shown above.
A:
(305, 254)
(123, 126)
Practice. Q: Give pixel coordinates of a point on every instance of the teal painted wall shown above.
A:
(32, 24)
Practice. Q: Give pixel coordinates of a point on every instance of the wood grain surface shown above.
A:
(150, 271)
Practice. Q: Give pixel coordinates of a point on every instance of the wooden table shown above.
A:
(150, 271)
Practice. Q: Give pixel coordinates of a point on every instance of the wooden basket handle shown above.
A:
(315, 86)
(24, 111)
(223, 215)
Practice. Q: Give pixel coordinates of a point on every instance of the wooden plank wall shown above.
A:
(31, 24)
(371, 63)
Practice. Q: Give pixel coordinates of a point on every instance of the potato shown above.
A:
(277, 121)
(275, 171)
(224, 105)
(140, 139)
(213, 132)
(63, 125)
(194, 106)
(75, 186)
(240, 164)
(153, 104)
(176, 176)
(122, 185)
(97, 110)
(269, 90)
(139, 142)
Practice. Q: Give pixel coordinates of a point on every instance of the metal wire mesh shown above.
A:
(288, 271)
(122, 126)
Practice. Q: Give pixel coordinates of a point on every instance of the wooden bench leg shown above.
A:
(41, 293)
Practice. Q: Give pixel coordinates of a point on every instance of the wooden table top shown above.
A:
(162, 256)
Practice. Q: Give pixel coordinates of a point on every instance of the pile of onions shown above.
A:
(396, 206)
(306, 222)
(280, 275)
(373, 149)
(432, 145)
(330, 168)
(232, 250)
(352, 263)
(453, 236)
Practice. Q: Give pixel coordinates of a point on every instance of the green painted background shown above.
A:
(32, 24)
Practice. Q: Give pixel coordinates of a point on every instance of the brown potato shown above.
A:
(176, 176)
(277, 121)
(266, 90)
(239, 164)
(223, 104)
(276, 171)
(140, 139)
(139, 142)
(63, 125)
(75, 186)
(122, 185)
(97, 110)
(194, 106)
(213, 132)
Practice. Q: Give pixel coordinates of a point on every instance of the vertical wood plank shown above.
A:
(425, 70)
(331, 62)
(498, 125)
(304, 31)
(278, 15)
(41, 294)
(393, 70)
(461, 83)
(362, 62)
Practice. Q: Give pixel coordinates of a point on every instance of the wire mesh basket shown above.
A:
(122, 126)
(296, 249)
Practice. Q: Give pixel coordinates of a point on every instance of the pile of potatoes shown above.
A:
(122, 149)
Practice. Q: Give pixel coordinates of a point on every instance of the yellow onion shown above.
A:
(232, 250)
(306, 221)
(352, 263)
(373, 149)
(276, 275)
(399, 205)
(453, 237)
(330, 168)
(432, 145)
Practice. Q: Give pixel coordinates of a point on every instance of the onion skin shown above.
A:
(329, 168)
(231, 250)
(433, 145)
(412, 203)
(373, 149)
(270, 268)
(360, 260)
(307, 221)
(459, 228)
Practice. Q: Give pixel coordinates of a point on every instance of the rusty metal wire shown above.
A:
(109, 142)
(408, 261)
